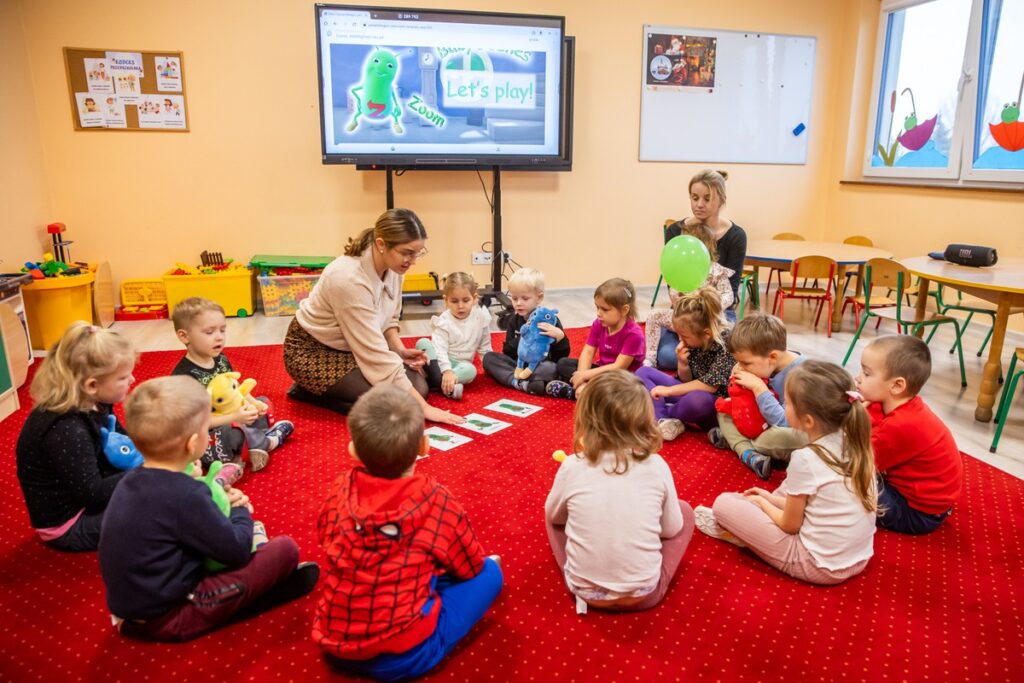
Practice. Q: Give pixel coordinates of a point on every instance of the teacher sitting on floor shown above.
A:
(707, 198)
(344, 338)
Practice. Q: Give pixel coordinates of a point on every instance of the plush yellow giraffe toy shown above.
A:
(227, 395)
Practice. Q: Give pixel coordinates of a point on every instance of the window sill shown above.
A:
(938, 185)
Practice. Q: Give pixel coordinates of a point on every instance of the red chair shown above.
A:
(810, 268)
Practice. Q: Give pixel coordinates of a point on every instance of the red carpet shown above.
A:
(945, 607)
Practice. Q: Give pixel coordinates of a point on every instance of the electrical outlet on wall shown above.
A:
(482, 258)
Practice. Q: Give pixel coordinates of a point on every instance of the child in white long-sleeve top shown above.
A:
(616, 526)
(460, 333)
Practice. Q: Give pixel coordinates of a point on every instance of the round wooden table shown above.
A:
(780, 254)
(1001, 284)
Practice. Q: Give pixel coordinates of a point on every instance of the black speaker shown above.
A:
(968, 255)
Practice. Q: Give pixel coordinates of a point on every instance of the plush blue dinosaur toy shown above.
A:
(119, 449)
(534, 346)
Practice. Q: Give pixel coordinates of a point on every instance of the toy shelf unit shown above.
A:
(51, 304)
(285, 281)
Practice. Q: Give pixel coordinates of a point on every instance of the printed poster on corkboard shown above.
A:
(127, 90)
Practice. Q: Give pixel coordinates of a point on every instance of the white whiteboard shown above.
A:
(761, 93)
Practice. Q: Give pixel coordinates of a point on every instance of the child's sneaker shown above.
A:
(521, 385)
(717, 439)
(759, 463)
(258, 459)
(705, 520)
(456, 394)
(229, 474)
(279, 433)
(259, 534)
(559, 389)
(670, 428)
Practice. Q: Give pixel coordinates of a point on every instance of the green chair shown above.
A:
(1006, 398)
(970, 310)
(748, 283)
(892, 275)
(664, 233)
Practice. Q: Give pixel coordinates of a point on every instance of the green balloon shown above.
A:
(685, 263)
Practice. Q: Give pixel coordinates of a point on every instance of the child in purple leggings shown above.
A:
(704, 366)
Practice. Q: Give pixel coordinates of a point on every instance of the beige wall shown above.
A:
(248, 178)
(24, 200)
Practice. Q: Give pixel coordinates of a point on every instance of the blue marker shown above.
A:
(799, 129)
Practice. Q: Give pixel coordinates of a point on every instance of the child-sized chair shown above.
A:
(878, 266)
(777, 272)
(669, 222)
(970, 309)
(894, 275)
(1006, 398)
(809, 268)
(851, 271)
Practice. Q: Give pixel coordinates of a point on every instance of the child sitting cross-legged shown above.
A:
(615, 341)
(461, 332)
(703, 366)
(407, 578)
(201, 326)
(758, 343)
(920, 472)
(162, 523)
(819, 525)
(526, 290)
(617, 528)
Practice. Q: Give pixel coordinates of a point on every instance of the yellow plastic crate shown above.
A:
(143, 293)
(420, 282)
(232, 289)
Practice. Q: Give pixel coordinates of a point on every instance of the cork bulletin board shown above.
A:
(127, 90)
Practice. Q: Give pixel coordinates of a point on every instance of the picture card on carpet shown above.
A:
(515, 408)
(481, 424)
(443, 440)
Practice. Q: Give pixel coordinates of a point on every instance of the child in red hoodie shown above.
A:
(919, 466)
(406, 577)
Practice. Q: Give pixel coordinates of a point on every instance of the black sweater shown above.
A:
(61, 466)
(732, 251)
(158, 529)
(558, 350)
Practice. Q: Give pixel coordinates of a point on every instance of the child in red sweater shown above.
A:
(920, 472)
(407, 578)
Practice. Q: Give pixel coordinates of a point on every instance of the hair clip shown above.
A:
(854, 396)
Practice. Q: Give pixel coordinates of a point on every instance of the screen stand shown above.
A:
(491, 294)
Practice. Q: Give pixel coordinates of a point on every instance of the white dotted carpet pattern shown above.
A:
(944, 607)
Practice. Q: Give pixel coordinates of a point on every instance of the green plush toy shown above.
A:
(220, 499)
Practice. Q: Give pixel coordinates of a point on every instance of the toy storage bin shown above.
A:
(54, 303)
(142, 300)
(281, 294)
(232, 289)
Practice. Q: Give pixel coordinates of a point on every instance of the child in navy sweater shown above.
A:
(64, 475)
(162, 524)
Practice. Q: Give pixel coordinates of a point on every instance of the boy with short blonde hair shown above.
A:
(161, 523)
(201, 326)
(920, 472)
(758, 343)
(407, 577)
(526, 290)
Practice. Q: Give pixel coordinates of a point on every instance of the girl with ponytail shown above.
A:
(703, 365)
(64, 475)
(819, 525)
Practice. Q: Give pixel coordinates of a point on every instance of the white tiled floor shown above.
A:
(943, 392)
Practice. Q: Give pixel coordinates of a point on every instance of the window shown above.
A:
(947, 93)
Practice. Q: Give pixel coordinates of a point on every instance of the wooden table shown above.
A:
(1001, 284)
(780, 254)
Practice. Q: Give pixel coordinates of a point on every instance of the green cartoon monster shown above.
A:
(375, 97)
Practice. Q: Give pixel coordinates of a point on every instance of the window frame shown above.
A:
(960, 169)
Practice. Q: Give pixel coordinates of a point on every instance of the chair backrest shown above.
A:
(789, 236)
(859, 240)
(814, 267)
(884, 272)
